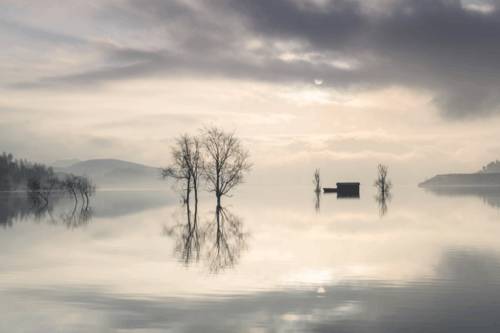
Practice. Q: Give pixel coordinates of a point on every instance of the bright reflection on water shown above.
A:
(279, 260)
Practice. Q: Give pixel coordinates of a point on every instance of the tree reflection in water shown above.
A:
(219, 242)
(383, 186)
(77, 217)
(317, 201)
(383, 198)
(187, 237)
(225, 240)
(16, 207)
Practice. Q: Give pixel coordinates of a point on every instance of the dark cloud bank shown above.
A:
(439, 46)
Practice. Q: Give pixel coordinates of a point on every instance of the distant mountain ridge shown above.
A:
(492, 167)
(489, 175)
(64, 163)
(115, 173)
(463, 179)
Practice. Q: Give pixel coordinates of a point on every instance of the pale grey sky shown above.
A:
(336, 84)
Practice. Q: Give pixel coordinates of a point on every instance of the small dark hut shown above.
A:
(344, 190)
(348, 190)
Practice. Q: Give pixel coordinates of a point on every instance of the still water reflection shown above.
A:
(219, 241)
(268, 262)
(17, 207)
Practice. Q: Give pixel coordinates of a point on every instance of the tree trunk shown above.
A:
(188, 191)
(217, 216)
(195, 188)
(74, 195)
(188, 213)
(87, 197)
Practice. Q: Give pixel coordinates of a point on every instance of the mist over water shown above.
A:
(279, 261)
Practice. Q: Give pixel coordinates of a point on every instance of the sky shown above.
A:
(340, 85)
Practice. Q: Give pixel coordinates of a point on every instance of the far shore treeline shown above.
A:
(15, 174)
(40, 181)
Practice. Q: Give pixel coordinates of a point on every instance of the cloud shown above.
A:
(439, 46)
(448, 48)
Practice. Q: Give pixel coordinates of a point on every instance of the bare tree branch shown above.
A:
(226, 161)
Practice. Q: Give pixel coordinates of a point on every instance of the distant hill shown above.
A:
(463, 179)
(492, 167)
(489, 175)
(64, 163)
(115, 173)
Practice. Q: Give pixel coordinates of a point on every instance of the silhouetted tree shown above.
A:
(317, 181)
(194, 162)
(85, 187)
(383, 185)
(70, 184)
(186, 166)
(225, 163)
(382, 182)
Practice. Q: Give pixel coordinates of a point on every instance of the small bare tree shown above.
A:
(70, 185)
(226, 162)
(186, 166)
(194, 162)
(383, 185)
(382, 182)
(316, 181)
(86, 188)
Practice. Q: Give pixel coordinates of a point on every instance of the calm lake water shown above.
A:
(279, 262)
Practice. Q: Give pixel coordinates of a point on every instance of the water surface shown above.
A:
(280, 261)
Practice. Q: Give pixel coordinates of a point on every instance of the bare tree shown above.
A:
(383, 185)
(194, 162)
(226, 162)
(70, 185)
(86, 188)
(186, 166)
(382, 182)
(316, 181)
